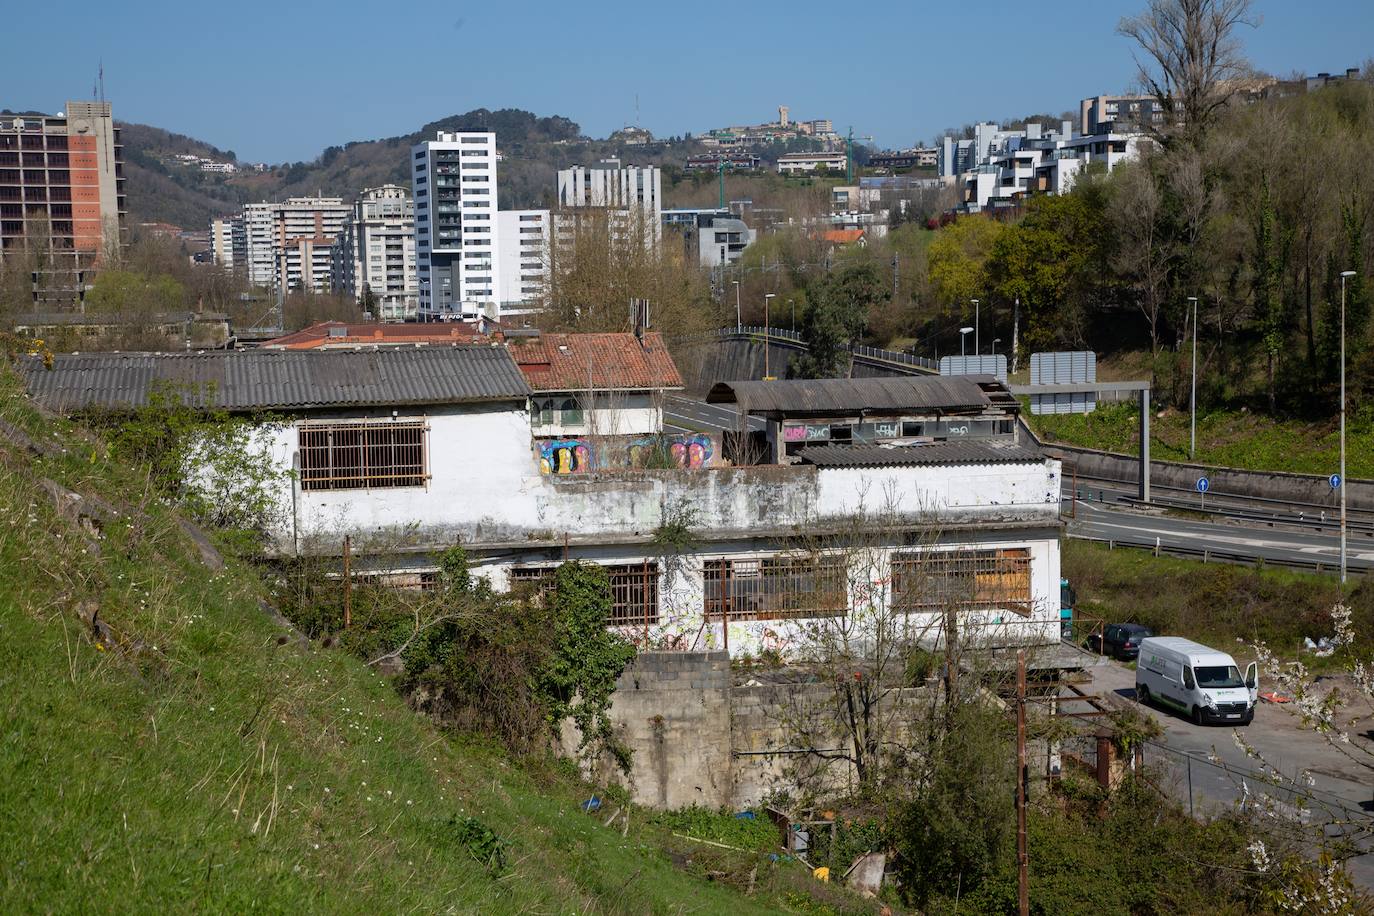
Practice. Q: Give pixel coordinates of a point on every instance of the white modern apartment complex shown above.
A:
(227, 242)
(456, 240)
(287, 245)
(374, 257)
(999, 167)
(523, 240)
(793, 163)
(632, 196)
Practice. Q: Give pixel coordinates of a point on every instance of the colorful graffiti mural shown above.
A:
(687, 452)
(578, 456)
(565, 456)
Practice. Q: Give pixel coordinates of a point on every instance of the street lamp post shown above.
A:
(995, 342)
(793, 304)
(977, 328)
(739, 321)
(1192, 403)
(765, 333)
(963, 336)
(1345, 275)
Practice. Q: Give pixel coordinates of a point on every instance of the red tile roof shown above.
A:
(362, 333)
(843, 236)
(578, 362)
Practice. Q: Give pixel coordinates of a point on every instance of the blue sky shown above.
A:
(280, 81)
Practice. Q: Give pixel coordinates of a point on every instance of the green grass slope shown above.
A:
(184, 753)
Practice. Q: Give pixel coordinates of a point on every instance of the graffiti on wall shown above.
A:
(565, 456)
(578, 456)
(687, 452)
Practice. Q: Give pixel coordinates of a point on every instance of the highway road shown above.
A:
(1207, 763)
(682, 415)
(1232, 537)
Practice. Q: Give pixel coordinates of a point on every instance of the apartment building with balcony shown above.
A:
(631, 196)
(524, 240)
(456, 240)
(374, 256)
(62, 181)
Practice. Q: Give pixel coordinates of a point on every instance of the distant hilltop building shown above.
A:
(783, 129)
(62, 177)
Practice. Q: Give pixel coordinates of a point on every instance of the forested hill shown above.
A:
(163, 190)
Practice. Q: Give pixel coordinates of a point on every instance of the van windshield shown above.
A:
(1218, 676)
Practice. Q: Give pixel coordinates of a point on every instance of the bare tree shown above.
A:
(1193, 58)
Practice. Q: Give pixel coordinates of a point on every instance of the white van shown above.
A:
(1199, 682)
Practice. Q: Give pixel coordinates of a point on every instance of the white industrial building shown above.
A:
(374, 257)
(456, 241)
(908, 493)
(523, 260)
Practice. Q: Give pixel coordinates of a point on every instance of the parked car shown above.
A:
(1120, 640)
(1202, 683)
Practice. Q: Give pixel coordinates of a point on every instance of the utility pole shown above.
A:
(1345, 275)
(348, 581)
(720, 175)
(1022, 853)
(896, 272)
(1192, 402)
(977, 328)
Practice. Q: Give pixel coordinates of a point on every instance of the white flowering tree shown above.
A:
(1338, 709)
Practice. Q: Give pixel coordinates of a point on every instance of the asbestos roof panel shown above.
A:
(278, 379)
(592, 362)
(842, 396)
(963, 452)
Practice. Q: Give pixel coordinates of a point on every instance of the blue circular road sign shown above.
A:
(1335, 481)
(1202, 484)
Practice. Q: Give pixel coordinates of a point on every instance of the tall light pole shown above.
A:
(765, 333)
(793, 304)
(739, 321)
(977, 328)
(995, 342)
(1192, 403)
(1345, 275)
(963, 336)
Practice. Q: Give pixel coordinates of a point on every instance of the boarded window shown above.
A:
(634, 589)
(966, 580)
(776, 588)
(352, 456)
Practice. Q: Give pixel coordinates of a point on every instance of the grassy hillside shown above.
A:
(169, 747)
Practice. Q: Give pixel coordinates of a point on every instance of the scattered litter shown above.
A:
(1272, 697)
(1321, 648)
(744, 816)
(696, 839)
(591, 804)
(866, 874)
(821, 874)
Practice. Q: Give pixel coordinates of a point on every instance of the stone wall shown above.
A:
(699, 739)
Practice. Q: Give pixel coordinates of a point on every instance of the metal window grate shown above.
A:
(776, 588)
(634, 589)
(351, 456)
(965, 580)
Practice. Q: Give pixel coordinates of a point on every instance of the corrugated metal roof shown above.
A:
(972, 451)
(832, 396)
(278, 379)
(607, 361)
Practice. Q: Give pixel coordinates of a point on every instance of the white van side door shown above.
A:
(1252, 682)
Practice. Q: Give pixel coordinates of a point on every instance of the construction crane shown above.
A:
(849, 155)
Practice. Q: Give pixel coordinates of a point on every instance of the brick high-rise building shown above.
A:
(62, 178)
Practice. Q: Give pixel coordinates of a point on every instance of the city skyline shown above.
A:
(903, 82)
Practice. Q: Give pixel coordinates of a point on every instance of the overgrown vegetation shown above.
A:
(1215, 603)
(173, 748)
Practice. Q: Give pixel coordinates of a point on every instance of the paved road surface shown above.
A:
(1341, 790)
(1101, 521)
(688, 415)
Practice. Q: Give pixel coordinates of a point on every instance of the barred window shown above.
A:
(634, 589)
(966, 580)
(776, 588)
(365, 454)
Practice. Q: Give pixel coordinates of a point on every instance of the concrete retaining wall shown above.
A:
(1222, 481)
(698, 739)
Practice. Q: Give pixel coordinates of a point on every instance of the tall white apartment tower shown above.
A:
(456, 242)
(375, 254)
(633, 197)
(524, 262)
